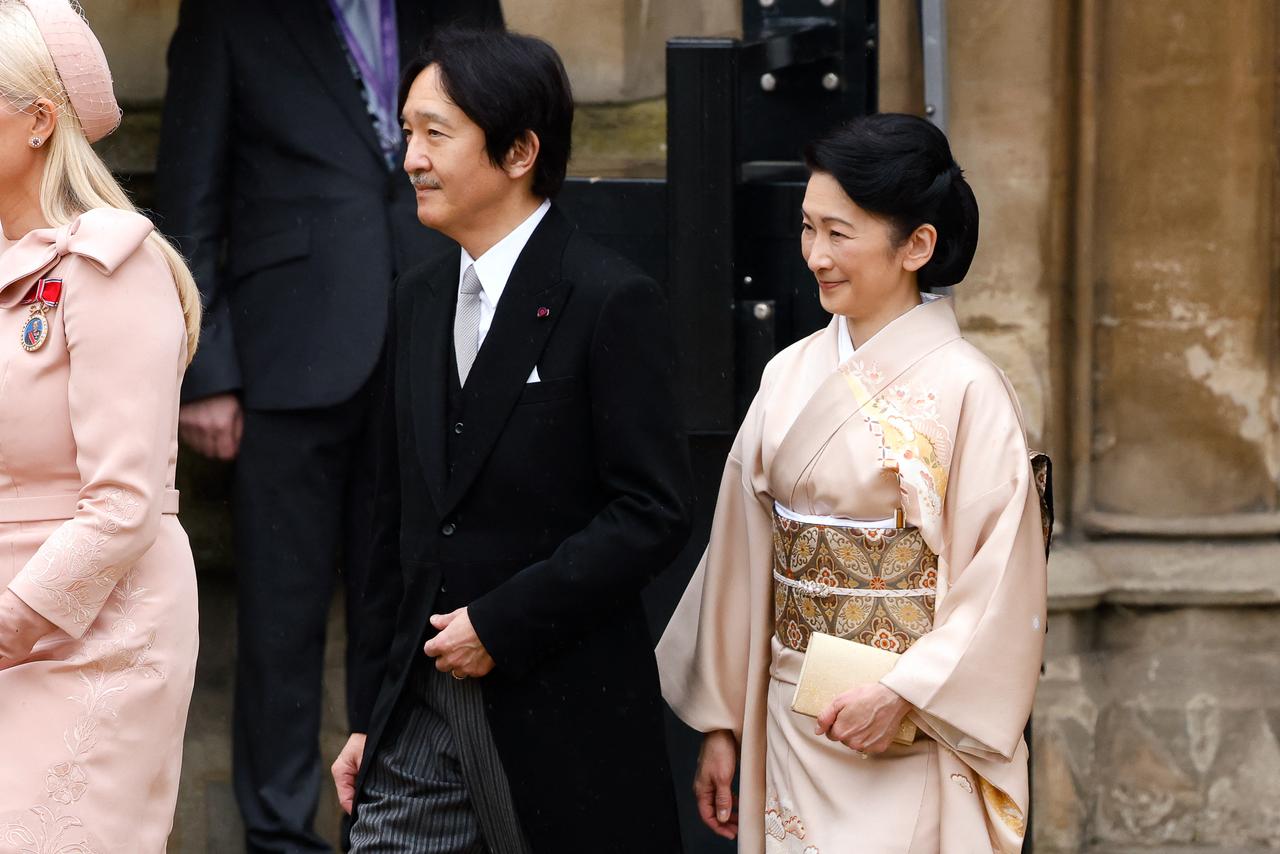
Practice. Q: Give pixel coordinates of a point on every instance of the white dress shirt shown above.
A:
(494, 267)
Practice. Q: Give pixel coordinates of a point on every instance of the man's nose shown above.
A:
(416, 160)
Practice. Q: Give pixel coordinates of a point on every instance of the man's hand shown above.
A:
(864, 719)
(212, 426)
(713, 783)
(346, 767)
(456, 648)
(20, 627)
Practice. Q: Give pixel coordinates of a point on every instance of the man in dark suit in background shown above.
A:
(279, 175)
(533, 478)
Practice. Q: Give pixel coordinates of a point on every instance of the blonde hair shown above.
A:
(75, 179)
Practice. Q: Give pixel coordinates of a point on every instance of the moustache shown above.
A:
(422, 182)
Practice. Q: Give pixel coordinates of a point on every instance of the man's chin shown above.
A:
(427, 217)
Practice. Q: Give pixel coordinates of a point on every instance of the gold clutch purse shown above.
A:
(834, 665)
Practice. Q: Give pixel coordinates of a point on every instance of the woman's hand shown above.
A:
(20, 627)
(864, 719)
(713, 783)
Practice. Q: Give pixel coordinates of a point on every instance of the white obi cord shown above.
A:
(832, 521)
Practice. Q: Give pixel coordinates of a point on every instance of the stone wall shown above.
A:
(1124, 153)
(614, 50)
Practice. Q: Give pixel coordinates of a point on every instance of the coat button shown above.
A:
(447, 529)
(457, 428)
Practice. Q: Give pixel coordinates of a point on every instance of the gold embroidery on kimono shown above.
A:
(1003, 807)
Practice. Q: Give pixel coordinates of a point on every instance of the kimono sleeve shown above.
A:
(973, 677)
(126, 341)
(709, 657)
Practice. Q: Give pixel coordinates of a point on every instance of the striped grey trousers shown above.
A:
(437, 785)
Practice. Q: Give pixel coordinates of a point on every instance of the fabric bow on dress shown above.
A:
(105, 237)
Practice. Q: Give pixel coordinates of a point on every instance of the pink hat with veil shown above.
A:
(81, 65)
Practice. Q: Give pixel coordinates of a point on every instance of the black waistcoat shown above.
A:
(455, 425)
(455, 412)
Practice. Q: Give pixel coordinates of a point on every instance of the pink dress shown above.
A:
(91, 723)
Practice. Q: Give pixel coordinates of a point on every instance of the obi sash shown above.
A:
(870, 582)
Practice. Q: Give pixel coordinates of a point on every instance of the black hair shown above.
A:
(900, 167)
(507, 84)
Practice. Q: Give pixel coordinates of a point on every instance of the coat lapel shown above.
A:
(311, 26)
(429, 349)
(511, 349)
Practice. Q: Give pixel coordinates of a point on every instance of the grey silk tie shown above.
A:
(466, 323)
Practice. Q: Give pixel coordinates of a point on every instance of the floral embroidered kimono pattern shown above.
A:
(816, 455)
(91, 723)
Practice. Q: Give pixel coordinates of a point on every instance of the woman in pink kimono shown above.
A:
(879, 490)
(99, 318)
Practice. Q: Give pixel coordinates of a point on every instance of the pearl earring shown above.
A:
(36, 142)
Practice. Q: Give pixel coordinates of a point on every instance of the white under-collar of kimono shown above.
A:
(844, 341)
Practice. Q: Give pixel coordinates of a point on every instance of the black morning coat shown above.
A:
(272, 181)
(566, 497)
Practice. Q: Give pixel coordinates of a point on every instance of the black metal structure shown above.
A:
(722, 231)
(738, 115)
(722, 228)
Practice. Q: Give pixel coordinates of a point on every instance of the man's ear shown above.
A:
(522, 156)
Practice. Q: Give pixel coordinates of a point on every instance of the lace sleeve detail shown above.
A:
(68, 569)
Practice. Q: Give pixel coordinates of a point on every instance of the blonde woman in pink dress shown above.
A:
(98, 320)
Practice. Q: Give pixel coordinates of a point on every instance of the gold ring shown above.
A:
(860, 754)
(455, 675)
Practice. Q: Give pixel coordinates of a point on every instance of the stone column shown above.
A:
(1010, 97)
(1178, 414)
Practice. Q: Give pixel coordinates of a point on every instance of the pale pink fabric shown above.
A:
(81, 64)
(91, 724)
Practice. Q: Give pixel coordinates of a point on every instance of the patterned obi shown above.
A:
(870, 582)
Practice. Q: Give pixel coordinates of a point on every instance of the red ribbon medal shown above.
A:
(42, 298)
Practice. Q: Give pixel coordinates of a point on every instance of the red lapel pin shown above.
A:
(544, 312)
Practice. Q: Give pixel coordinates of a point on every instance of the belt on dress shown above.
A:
(870, 582)
(45, 508)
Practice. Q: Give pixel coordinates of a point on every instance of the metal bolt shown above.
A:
(828, 2)
(930, 109)
(831, 81)
(762, 311)
(748, 281)
(871, 44)
(768, 82)
(766, 3)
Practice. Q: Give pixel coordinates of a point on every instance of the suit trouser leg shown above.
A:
(293, 485)
(437, 786)
(414, 799)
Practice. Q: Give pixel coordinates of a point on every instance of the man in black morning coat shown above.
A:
(534, 478)
(279, 174)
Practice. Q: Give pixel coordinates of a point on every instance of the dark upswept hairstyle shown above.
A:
(900, 167)
(507, 84)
